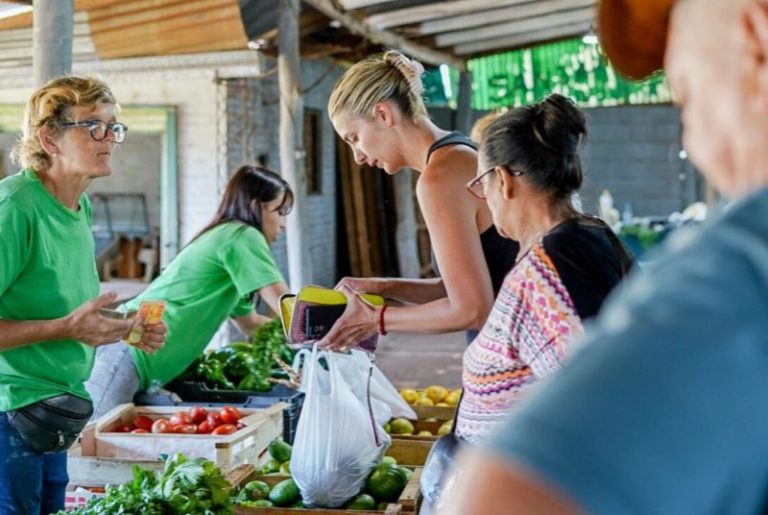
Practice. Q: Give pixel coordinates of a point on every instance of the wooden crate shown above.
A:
(410, 453)
(438, 412)
(422, 425)
(227, 451)
(407, 504)
(92, 470)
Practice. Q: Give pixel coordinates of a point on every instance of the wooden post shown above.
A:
(292, 142)
(464, 103)
(52, 39)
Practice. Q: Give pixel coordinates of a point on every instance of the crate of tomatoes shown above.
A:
(227, 435)
(188, 394)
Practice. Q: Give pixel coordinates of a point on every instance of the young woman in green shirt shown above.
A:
(214, 277)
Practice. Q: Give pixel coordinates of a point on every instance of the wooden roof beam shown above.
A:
(411, 15)
(507, 29)
(357, 4)
(421, 52)
(494, 16)
(523, 39)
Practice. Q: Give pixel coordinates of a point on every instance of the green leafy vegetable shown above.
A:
(184, 486)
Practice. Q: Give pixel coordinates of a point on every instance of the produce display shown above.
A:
(251, 366)
(383, 486)
(196, 420)
(434, 395)
(426, 427)
(184, 486)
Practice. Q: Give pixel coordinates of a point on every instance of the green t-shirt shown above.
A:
(211, 279)
(47, 270)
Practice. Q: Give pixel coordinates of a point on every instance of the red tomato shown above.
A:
(124, 429)
(143, 422)
(186, 429)
(226, 429)
(198, 414)
(214, 419)
(139, 431)
(181, 418)
(229, 415)
(162, 426)
(204, 428)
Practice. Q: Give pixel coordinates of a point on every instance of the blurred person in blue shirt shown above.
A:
(663, 410)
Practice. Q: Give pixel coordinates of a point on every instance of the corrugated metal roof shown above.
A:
(432, 30)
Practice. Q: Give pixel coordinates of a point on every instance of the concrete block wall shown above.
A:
(253, 124)
(634, 151)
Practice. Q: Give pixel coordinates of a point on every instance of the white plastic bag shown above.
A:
(385, 399)
(337, 440)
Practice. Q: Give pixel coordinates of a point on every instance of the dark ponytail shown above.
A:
(542, 140)
(247, 189)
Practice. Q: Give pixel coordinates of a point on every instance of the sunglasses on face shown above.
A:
(99, 129)
(475, 186)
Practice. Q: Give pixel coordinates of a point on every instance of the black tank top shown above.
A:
(500, 253)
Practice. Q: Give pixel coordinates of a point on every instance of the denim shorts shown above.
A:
(30, 482)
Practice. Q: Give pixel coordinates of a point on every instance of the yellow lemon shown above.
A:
(409, 395)
(425, 433)
(445, 428)
(424, 401)
(436, 393)
(443, 405)
(452, 399)
(401, 426)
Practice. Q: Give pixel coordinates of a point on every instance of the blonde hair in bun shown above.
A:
(390, 77)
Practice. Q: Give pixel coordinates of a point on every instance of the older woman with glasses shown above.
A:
(529, 169)
(50, 319)
(568, 262)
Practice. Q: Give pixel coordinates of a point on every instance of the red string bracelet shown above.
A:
(382, 329)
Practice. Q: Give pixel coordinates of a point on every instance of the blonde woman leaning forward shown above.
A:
(376, 107)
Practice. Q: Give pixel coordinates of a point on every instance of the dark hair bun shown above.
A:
(558, 125)
(542, 140)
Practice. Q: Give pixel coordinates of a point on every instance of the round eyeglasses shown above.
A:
(475, 186)
(99, 129)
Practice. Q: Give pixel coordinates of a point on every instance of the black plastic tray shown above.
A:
(189, 393)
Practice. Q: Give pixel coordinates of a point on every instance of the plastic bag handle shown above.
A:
(370, 407)
(331, 363)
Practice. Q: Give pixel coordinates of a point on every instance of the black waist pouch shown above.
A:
(53, 424)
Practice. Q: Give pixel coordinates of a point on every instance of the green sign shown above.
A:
(570, 67)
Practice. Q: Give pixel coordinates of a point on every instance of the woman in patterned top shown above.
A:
(568, 262)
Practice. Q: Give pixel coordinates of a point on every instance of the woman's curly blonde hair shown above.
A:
(48, 107)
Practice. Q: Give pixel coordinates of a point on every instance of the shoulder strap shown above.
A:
(453, 138)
